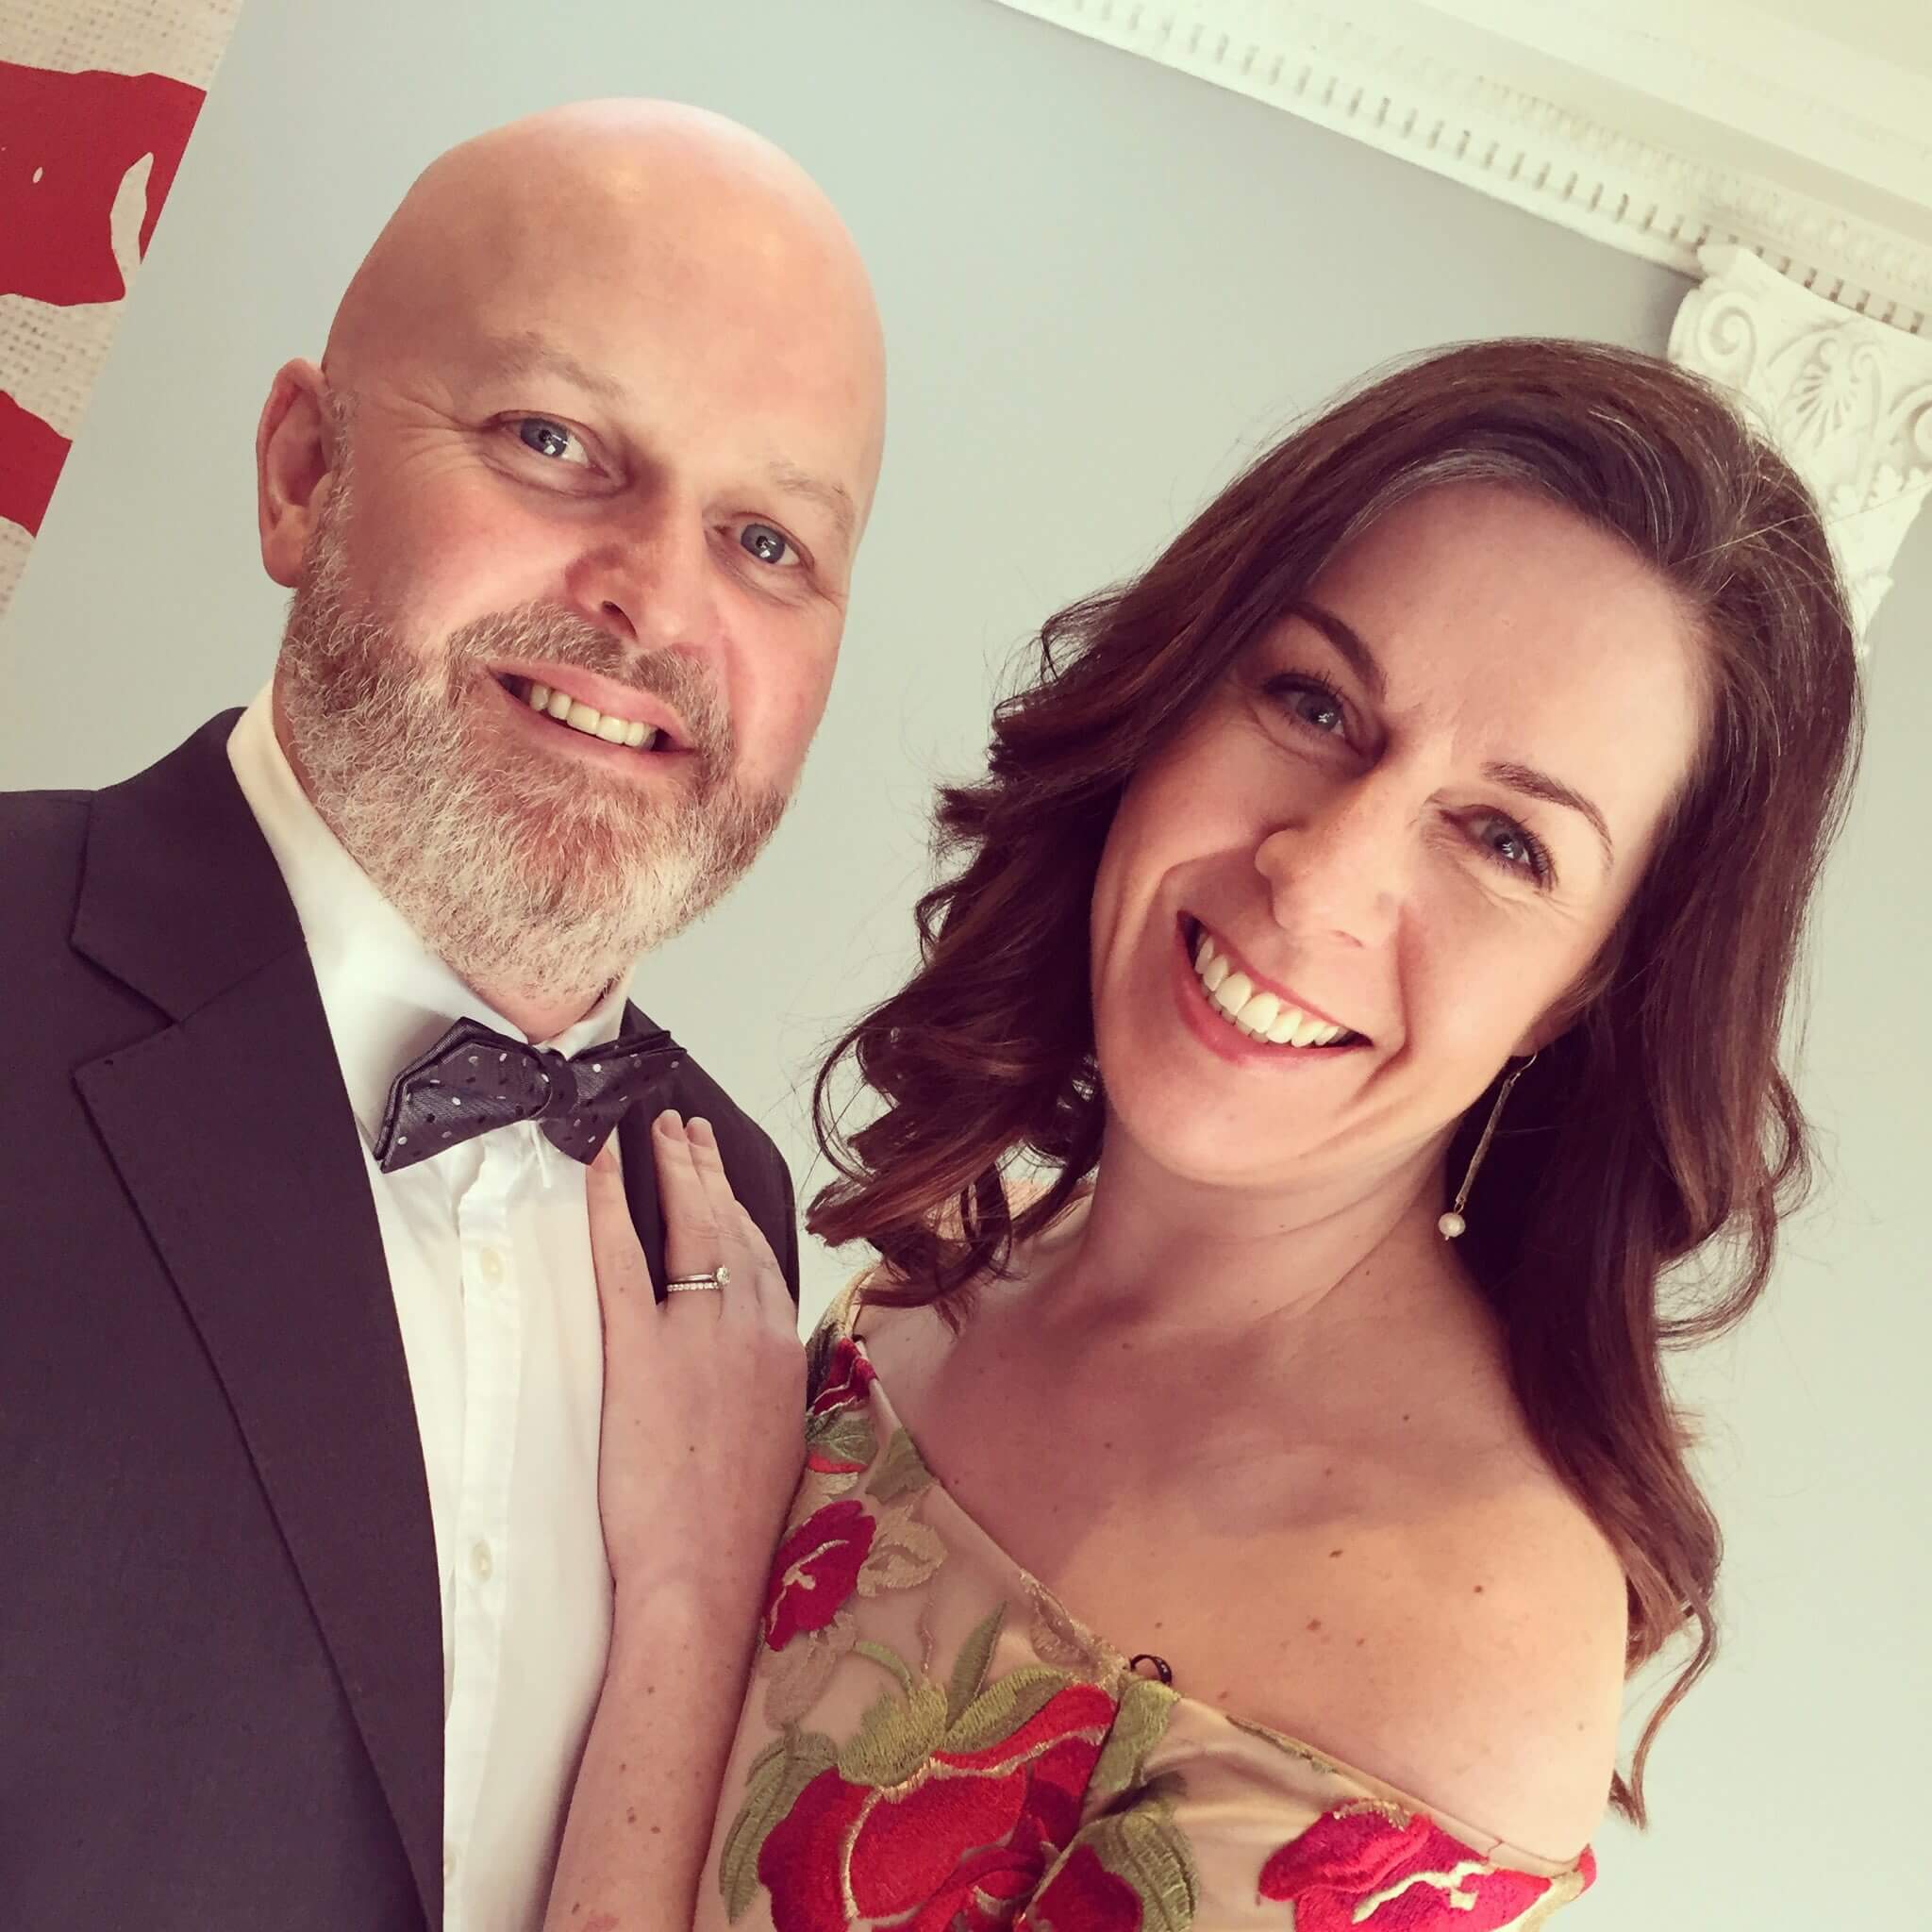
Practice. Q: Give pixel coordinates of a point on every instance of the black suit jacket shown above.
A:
(221, 1669)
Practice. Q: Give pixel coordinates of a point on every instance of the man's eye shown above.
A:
(550, 439)
(767, 545)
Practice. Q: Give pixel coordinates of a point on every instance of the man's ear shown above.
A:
(295, 460)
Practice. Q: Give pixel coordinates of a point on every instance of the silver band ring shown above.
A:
(696, 1284)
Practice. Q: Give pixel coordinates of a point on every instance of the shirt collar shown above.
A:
(386, 996)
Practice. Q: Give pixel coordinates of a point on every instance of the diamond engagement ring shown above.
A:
(697, 1284)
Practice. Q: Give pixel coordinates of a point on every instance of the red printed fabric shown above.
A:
(30, 459)
(68, 143)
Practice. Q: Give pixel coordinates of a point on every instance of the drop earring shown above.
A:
(1452, 1223)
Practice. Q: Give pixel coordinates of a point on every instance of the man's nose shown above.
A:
(647, 576)
(1340, 871)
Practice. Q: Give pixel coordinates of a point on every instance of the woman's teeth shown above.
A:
(592, 723)
(1260, 1015)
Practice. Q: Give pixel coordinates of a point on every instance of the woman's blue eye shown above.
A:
(1322, 713)
(1516, 848)
(767, 545)
(1313, 702)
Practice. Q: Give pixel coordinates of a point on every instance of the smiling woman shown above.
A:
(1490, 729)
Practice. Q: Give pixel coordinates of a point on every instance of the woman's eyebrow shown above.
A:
(1531, 783)
(1361, 660)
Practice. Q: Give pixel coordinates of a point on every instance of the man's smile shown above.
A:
(631, 720)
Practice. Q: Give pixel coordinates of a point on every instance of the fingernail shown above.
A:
(700, 1131)
(669, 1122)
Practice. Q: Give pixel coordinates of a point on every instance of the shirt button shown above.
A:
(493, 1265)
(482, 1562)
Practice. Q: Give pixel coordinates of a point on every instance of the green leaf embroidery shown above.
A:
(970, 1665)
(1146, 1848)
(1002, 1707)
(901, 1470)
(1142, 1723)
(848, 1436)
(780, 1775)
(897, 1737)
(886, 1659)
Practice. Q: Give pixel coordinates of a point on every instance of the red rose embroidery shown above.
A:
(1083, 1896)
(1356, 1866)
(968, 1833)
(816, 1570)
(848, 1375)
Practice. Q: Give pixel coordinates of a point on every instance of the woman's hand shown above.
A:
(704, 1394)
(703, 1437)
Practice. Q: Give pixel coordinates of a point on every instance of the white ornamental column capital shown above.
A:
(1847, 400)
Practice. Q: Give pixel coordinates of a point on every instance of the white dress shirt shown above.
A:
(488, 1254)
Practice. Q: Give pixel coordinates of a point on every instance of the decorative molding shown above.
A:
(1848, 401)
(1658, 127)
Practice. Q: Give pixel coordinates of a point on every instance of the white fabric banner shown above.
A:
(96, 105)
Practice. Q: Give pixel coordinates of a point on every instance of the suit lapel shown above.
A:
(232, 1133)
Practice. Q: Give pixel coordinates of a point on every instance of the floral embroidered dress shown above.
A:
(932, 1742)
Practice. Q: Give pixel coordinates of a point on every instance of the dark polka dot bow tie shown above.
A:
(473, 1079)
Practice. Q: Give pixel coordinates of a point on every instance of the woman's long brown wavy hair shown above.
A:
(1659, 1126)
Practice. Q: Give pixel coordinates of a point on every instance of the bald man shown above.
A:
(307, 1604)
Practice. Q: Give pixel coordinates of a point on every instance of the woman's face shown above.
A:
(1392, 839)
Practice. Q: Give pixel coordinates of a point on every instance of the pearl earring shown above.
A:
(1452, 1223)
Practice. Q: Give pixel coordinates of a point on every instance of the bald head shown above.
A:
(612, 384)
(626, 208)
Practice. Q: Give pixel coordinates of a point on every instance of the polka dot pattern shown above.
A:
(473, 1079)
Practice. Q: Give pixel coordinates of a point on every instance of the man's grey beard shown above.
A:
(531, 876)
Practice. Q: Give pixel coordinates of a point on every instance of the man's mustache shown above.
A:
(543, 633)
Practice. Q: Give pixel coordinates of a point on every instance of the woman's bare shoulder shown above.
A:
(1480, 1636)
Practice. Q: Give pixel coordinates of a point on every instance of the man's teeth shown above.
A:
(1260, 1015)
(594, 723)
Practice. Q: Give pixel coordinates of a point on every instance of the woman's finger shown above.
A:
(693, 1243)
(754, 1266)
(616, 1254)
(726, 1216)
(775, 1297)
